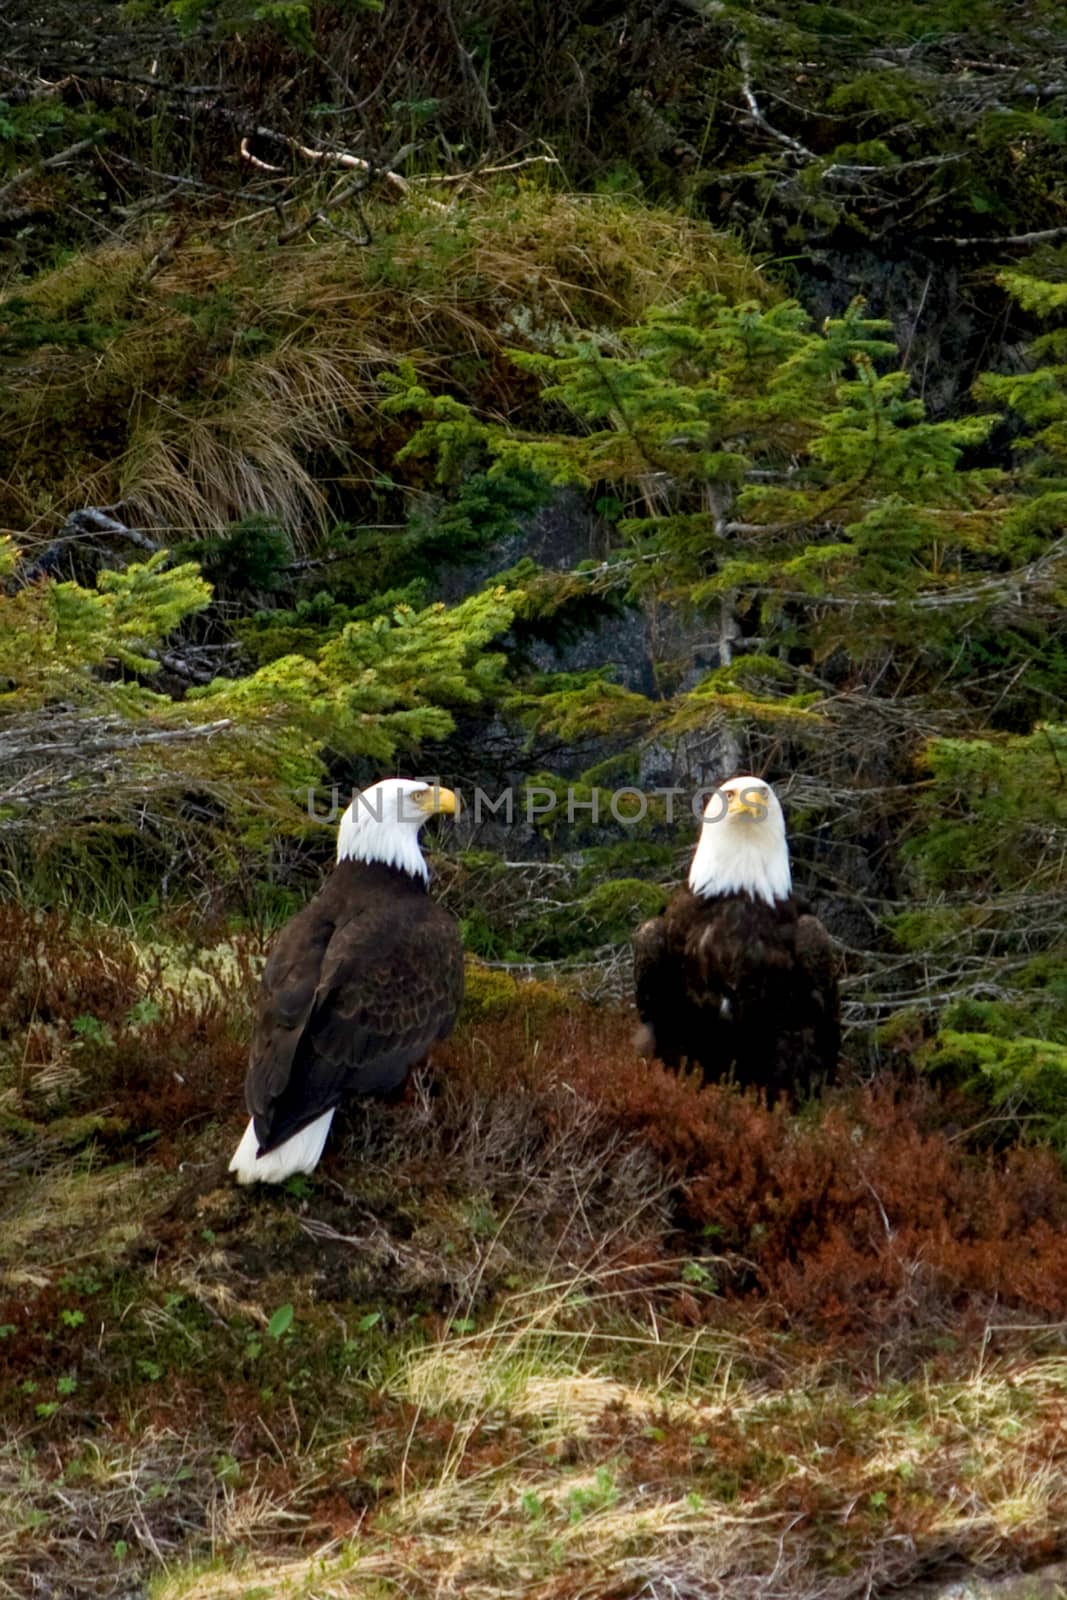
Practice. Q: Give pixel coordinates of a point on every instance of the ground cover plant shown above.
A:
(558, 1323)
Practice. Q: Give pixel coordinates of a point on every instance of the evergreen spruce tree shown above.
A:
(88, 742)
(887, 599)
(758, 468)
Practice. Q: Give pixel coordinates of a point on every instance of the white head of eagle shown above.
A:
(382, 823)
(742, 848)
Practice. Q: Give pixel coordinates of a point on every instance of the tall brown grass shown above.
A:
(243, 376)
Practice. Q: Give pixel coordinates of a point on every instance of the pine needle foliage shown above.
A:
(54, 637)
(991, 827)
(757, 461)
(195, 781)
(374, 687)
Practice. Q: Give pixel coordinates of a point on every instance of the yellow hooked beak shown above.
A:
(436, 800)
(750, 802)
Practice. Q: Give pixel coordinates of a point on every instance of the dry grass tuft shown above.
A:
(109, 1508)
(244, 376)
(809, 1491)
(68, 1214)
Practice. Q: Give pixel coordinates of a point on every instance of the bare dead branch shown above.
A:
(1012, 240)
(757, 116)
(490, 171)
(93, 520)
(320, 218)
(164, 255)
(1010, 586)
(58, 160)
(338, 158)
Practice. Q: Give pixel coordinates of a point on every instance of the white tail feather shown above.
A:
(301, 1153)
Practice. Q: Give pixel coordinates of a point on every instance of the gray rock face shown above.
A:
(657, 650)
(654, 653)
(1046, 1583)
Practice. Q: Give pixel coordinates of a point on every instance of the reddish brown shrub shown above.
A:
(181, 1065)
(862, 1215)
(55, 972)
(96, 1030)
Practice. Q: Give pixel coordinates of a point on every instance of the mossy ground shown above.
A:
(556, 1324)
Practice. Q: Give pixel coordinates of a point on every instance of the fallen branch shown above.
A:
(320, 217)
(1038, 236)
(179, 181)
(756, 114)
(1011, 586)
(99, 735)
(91, 520)
(88, 523)
(194, 670)
(340, 158)
(163, 256)
(57, 160)
(855, 170)
(480, 172)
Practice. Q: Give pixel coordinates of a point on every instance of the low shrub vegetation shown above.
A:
(635, 1326)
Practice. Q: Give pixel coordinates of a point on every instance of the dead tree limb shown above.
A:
(58, 160)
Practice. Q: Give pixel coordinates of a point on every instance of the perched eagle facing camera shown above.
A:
(735, 975)
(357, 987)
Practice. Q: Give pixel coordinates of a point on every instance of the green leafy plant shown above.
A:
(280, 1322)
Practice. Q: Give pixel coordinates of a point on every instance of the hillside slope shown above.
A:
(557, 1325)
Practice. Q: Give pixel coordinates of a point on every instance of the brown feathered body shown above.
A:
(358, 986)
(740, 986)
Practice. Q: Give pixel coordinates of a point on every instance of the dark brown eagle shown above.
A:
(357, 987)
(736, 976)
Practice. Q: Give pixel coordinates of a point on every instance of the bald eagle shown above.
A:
(357, 987)
(736, 975)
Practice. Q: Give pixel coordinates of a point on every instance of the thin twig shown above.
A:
(485, 172)
(57, 160)
(1014, 240)
(757, 115)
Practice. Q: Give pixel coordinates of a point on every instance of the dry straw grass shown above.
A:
(65, 1216)
(562, 1480)
(243, 377)
(118, 1502)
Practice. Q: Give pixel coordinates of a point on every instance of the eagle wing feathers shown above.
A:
(729, 982)
(650, 954)
(357, 988)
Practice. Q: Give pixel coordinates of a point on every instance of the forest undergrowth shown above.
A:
(558, 1323)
